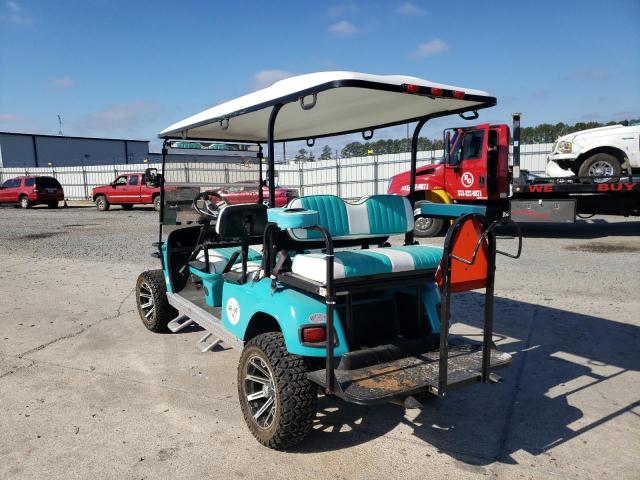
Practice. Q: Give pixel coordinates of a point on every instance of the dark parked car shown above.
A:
(30, 190)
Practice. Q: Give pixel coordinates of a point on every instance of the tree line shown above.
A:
(543, 133)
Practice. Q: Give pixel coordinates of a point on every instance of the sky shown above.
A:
(128, 69)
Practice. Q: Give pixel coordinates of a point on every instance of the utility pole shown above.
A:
(59, 125)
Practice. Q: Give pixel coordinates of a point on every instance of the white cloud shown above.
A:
(12, 118)
(587, 74)
(428, 49)
(266, 78)
(118, 117)
(12, 122)
(63, 82)
(411, 9)
(13, 13)
(342, 9)
(343, 28)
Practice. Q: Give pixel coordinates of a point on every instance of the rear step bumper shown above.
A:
(397, 379)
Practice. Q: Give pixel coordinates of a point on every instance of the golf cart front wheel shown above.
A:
(277, 399)
(151, 298)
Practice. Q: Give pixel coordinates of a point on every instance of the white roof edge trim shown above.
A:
(286, 88)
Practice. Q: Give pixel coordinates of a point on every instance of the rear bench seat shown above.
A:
(375, 216)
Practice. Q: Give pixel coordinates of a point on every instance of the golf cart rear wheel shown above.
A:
(277, 399)
(424, 226)
(151, 298)
(127, 206)
(53, 204)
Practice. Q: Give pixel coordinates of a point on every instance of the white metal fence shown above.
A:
(345, 177)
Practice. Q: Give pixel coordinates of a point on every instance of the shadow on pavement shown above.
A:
(553, 349)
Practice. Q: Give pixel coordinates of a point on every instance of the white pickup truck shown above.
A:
(597, 152)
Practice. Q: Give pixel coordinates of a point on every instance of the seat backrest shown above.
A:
(234, 220)
(374, 216)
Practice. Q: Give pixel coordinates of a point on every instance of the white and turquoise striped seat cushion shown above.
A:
(219, 257)
(356, 263)
(375, 216)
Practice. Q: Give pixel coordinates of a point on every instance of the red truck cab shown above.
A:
(475, 170)
(127, 190)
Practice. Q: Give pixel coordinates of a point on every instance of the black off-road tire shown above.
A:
(296, 396)
(151, 287)
(102, 204)
(24, 202)
(426, 227)
(127, 206)
(607, 161)
(156, 203)
(53, 204)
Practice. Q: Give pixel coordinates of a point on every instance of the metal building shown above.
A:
(29, 150)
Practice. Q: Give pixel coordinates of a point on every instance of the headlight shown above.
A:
(564, 147)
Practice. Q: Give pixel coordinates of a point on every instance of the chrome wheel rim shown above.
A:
(101, 203)
(601, 169)
(422, 224)
(24, 202)
(145, 299)
(259, 390)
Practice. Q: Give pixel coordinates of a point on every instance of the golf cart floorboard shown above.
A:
(190, 303)
(400, 378)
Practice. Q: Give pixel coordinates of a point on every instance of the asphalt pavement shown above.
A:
(87, 392)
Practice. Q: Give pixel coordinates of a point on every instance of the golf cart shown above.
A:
(313, 294)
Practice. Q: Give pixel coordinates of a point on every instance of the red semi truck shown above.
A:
(476, 171)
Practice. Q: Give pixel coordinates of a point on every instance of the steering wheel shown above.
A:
(211, 202)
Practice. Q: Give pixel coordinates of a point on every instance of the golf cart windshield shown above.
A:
(193, 167)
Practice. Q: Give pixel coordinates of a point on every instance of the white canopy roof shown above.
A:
(346, 102)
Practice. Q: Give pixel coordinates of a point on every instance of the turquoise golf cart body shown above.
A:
(314, 293)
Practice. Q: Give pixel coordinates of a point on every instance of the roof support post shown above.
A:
(516, 149)
(408, 238)
(161, 213)
(271, 153)
(260, 181)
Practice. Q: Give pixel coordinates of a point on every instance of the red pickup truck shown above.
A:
(127, 190)
(132, 188)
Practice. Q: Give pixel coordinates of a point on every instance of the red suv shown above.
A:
(28, 191)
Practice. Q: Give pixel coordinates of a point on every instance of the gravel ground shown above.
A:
(87, 392)
(79, 231)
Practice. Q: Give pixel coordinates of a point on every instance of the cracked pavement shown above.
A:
(87, 392)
